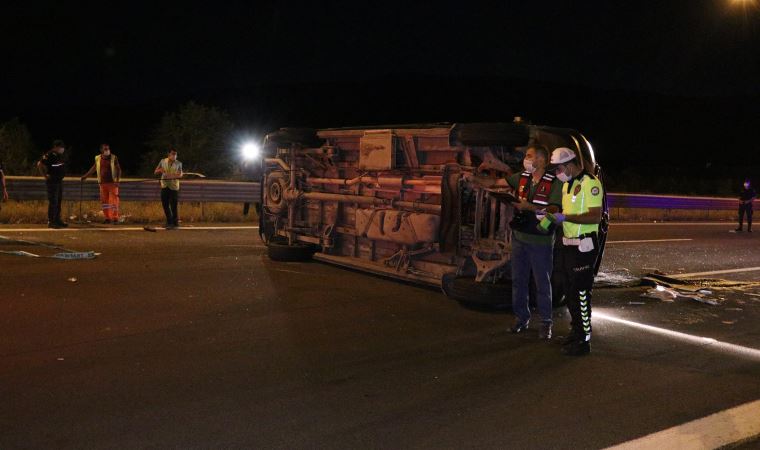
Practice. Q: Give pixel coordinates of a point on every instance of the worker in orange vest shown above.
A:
(109, 172)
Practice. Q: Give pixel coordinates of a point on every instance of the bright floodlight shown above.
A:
(250, 151)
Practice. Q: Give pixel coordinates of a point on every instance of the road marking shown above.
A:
(714, 272)
(689, 224)
(61, 230)
(649, 240)
(717, 430)
(710, 343)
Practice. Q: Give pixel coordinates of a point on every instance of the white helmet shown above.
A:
(562, 155)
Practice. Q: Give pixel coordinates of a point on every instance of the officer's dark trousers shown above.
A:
(169, 202)
(578, 271)
(55, 197)
(745, 208)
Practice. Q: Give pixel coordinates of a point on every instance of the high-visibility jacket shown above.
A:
(578, 195)
(113, 167)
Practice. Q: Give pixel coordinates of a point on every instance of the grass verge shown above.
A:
(35, 212)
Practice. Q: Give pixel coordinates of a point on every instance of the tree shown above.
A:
(201, 136)
(17, 151)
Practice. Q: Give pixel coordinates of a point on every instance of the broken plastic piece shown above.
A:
(661, 293)
(74, 255)
(20, 253)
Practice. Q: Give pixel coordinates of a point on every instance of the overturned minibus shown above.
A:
(405, 201)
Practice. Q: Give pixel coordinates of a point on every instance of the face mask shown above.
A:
(528, 164)
(563, 177)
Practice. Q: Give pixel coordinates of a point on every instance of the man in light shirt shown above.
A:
(171, 171)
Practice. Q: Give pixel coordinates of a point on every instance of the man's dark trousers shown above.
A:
(169, 200)
(745, 208)
(55, 197)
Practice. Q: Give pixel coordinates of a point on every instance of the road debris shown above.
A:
(616, 278)
(75, 255)
(63, 253)
(703, 290)
(670, 295)
(19, 253)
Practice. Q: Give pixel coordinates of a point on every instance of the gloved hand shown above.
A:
(556, 217)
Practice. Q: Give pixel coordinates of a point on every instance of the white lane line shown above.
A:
(706, 342)
(63, 230)
(714, 431)
(673, 224)
(649, 240)
(714, 272)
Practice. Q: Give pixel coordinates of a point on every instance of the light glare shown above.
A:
(250, 151)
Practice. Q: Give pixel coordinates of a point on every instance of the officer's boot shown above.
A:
(578, 348)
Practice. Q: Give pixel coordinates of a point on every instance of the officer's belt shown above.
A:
(576, 241)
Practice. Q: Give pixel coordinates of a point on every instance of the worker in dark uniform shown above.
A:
(745, 206)
(52, 167)
(582, 199)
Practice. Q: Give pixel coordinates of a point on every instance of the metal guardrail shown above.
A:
(33, 188)
(671, 202)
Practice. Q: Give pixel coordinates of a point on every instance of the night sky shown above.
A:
(659, 71)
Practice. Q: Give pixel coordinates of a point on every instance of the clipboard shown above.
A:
(503, 196)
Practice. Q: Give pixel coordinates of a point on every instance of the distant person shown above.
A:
(52, 167)
(171, 171)
(745, 206)
(108, 172)
(2, 182)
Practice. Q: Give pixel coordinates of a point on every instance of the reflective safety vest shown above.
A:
(578, 195)
(543, 190)
(113, 167)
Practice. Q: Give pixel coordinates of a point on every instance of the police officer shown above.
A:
(52, 167)
(532, 247)
(745, 206)
(581, 214)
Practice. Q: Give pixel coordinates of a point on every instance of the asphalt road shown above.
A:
(194, 339)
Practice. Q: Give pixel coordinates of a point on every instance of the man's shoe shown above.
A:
(749, 231)
(738, 230)
(545, 331)
(53, 225)
(519, 326)
(107, 221)
(577, 349)
(62, 224)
